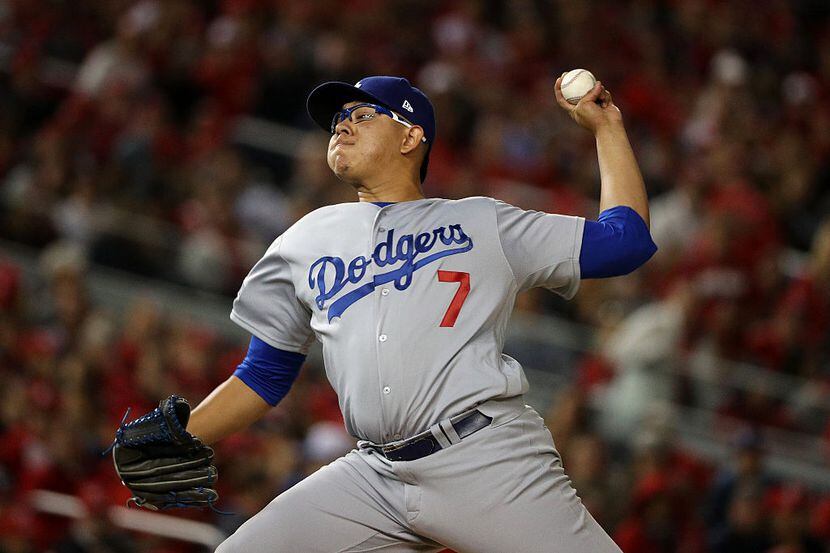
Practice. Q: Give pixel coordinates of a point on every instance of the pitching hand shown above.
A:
(594, 110)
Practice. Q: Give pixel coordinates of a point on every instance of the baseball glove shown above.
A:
(161, 463)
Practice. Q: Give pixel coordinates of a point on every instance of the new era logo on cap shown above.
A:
(407, 106)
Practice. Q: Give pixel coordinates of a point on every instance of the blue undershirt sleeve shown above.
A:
(269, 371)
(616, 244)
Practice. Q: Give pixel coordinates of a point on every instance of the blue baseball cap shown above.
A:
(393, 93)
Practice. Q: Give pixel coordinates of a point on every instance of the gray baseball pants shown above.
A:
(500, 490)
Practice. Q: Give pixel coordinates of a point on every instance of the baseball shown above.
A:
(576, 84)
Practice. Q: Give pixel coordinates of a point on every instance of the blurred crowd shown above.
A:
(70, 369)
(120, 145)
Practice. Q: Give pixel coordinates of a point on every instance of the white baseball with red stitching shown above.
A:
(576, 84)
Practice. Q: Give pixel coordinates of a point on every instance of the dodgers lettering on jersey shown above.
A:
(402, 255)
(410, 302)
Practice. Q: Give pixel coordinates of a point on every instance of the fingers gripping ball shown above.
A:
(576, 84)
(161, 463)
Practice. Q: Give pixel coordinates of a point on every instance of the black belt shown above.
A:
(424, 444)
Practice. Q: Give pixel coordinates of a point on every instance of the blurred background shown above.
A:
(151, 150)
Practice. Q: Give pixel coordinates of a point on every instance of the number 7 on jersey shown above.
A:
(463, 279)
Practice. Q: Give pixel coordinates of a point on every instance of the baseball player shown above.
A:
(410, 297)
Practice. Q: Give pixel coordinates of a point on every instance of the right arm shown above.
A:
(267, 307)
(259, 383)
(230, 408)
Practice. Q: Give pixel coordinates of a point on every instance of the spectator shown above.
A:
(790, 506)
(745, 530)
(596, 481)
(746, 475)
(656, 523)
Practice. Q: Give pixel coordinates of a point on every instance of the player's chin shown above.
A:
(340, 165)
(342, 171)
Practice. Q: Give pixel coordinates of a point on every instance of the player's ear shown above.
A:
(412, 139)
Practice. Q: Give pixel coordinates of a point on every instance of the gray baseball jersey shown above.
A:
(410, 301)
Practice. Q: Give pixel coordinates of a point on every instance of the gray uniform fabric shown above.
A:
(411, 302)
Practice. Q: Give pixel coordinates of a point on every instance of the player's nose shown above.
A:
(344, 127)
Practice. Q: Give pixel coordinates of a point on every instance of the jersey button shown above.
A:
(397, 436)
(382, 337)
(381, 229)
(384, 292)
(386, 389)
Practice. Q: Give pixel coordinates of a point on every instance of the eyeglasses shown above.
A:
(366, 112)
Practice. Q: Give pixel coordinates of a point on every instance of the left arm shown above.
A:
(614, 245)
(622, 183)
(619, 241)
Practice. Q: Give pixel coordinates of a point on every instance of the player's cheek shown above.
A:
(378, 150)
